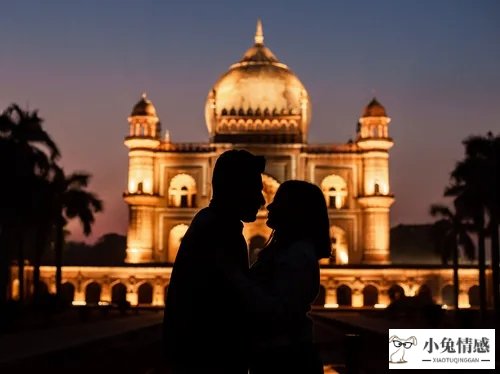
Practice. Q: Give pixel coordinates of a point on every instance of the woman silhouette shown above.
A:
(288, 268)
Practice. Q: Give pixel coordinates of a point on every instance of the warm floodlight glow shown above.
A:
(380, 306)
(270, 186)
(339, 245)
(78, 303)
(331, 306)
(174, 240)
(335, 189)
(182, 191)
(343, 258)
(444, 306)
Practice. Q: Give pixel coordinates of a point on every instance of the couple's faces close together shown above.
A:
(254, 200)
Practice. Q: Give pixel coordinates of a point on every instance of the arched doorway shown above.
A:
(145, 294)
(119, 294)
(370, 295)
(93, 293)
(344, 295)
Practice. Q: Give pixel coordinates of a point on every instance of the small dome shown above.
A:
(144, 107)
(374, 109)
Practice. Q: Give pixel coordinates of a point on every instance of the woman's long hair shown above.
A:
(307, 218)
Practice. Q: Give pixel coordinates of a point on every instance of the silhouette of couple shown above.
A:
(222, 316)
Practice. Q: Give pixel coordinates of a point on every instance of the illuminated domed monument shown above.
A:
(259, 104)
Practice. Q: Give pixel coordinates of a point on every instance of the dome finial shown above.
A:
(143, 95)
(259, 33)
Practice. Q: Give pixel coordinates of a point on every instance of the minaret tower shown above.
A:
(141, 197)
(376, 199)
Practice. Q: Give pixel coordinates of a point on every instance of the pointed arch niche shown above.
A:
(182, 191)
(334, 188)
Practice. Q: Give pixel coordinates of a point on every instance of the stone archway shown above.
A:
(145, 294)
(118, 293)
(370, 295)
(344, 295)
(93, 293)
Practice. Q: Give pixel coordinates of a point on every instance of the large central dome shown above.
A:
(258, 100)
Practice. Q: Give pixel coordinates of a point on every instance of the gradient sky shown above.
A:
(435, 65)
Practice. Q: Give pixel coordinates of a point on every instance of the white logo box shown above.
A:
(441, 349)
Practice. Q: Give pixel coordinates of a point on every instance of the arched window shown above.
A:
(93, 293)
(340, 250)
(174, 241)
(370, 295)
(182, 191)
(344, 295)
(118, 294)
(335, 189)
(145, 294)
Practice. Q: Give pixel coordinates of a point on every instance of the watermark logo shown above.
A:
(441, 349)
(400, 345)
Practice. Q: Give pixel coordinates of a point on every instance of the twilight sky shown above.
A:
(435, 65)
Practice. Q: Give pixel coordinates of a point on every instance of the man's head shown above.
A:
(237, 183)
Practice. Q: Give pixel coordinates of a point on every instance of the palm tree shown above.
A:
(26, 155)
(71, 200)
(450, 235)
(477, 179)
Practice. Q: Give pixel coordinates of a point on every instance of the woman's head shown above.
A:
(298, 212)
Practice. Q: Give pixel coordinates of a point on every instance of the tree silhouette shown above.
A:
(26, 155)
(450, 235)
(71, 200)
(476, 187)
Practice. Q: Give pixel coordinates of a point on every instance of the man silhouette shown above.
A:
(206, 323)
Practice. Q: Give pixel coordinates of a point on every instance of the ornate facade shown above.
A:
(259, 104)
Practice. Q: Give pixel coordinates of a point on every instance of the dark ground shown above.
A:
(348, 349)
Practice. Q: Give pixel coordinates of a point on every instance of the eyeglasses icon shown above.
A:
(398, 344)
